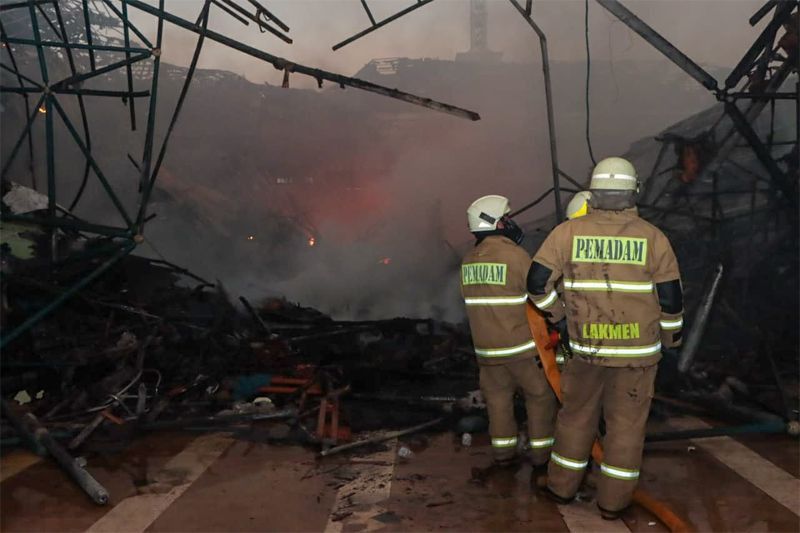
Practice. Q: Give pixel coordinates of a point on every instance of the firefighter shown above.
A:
(624, 306)
(493, 277)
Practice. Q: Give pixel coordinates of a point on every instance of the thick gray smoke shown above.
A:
(256, 174)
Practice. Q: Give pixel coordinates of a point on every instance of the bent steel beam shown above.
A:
(660, 43)
(318, 74)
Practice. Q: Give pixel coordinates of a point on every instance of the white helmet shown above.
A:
(485, 212)
(614, 173)
(579, 205)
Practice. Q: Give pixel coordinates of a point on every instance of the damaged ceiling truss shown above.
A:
(43, 30)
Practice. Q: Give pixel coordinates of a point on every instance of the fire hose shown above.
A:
(547, 355)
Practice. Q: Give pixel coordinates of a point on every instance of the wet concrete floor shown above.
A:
(219, 482)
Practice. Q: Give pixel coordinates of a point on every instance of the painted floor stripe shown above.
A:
(135, 514)
(584, 517)
(15, 462)
(365, 496)
(779, 484)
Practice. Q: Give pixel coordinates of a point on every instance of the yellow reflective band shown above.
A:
(542, 443)
(501, 352)
(547, 301)
(619, 473)
(602, 285)
(672, 324)
(504, 442)
(621, 351)
(572, 464)
(496, 300)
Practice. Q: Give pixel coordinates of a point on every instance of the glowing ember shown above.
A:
(385, 261)
(312, 241)
(42, 109)
(251, 237)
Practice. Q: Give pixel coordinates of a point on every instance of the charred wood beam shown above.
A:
(382, 23)
(660, 43)
(318, 74)
(763, 41)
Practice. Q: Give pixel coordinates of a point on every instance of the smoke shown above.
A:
(254, 172)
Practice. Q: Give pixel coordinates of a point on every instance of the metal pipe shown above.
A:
(380, 438)
(30, 427)
(725, 431)
(695, 334)
(318, 74)
(659, 43)
(548, 96)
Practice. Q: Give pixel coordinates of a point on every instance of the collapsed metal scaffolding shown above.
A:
(50, 35)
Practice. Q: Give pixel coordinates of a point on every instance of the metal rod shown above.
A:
(21, 138)
(87, 21)
(128, 23)
(82, 107)
(762, 153)
(128, 69)
(702, 433)
(695, 334)
(763, 10)
(75, 224)
(90, 158)
(318, 74)
(4, 37)
(29, 426)
(764, 40)
(766, 96)
(551, 121)
(369, 13)
(140, 220)
(660, 43)
(78, 46)
(49, 308)
(380, 438)
(26, 3)
(381, 24)
(74, 80)
(19, 75)
(261, 24)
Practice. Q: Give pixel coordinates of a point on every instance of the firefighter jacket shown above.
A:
(493, 286)
(621, 287)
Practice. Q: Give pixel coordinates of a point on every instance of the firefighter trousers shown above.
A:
(623, 396)
(498, 385)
